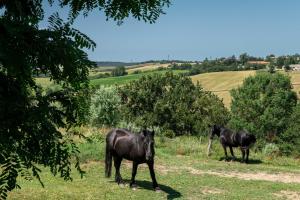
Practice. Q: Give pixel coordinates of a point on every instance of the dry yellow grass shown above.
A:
(147, 67)
(295, 77)
(222, 82)
(218, 82)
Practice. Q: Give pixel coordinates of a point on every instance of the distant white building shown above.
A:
(295, 67)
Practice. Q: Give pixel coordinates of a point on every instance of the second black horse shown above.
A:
(229, 138)
(139, 148)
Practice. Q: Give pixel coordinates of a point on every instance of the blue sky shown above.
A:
(195, 29)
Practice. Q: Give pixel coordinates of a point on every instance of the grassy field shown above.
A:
(183, 172)
(125, 79)
(218, 82)
(148, 67)
(222, 82)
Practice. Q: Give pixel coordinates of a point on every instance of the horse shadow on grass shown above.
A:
(147, 185)
(250, 161)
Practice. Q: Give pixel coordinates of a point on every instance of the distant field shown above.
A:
(295, 77)
(125, 79)
(45, 82)
(222, 82)
(218, 82)
(147, 67)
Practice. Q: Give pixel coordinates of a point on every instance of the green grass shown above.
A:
(219, 82)
(125, 79)
(174, 159)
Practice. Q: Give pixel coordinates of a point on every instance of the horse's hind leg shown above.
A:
(243, 154)
(247, 156)
(117, 163)
(231, 151)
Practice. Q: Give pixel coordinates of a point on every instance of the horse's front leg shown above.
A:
(134, 169)
(232, 154)
(117, 163)
(151, 169)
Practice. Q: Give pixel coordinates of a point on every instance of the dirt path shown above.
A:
(261, 176)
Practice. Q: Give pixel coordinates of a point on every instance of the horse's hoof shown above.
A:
(121, 183)
(157, 189)
(133, 186)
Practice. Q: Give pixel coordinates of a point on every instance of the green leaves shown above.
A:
(263, 105)
(148, 11)
(173, 103)
(105, 107)
(31, 119)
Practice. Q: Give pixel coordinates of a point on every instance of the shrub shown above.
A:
(171, 102)
(105, 105)
(271, 150)
(119, 71)
(137, 72)
(290, 139)
(263, 105)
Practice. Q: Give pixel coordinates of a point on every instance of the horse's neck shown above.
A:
(138, 143)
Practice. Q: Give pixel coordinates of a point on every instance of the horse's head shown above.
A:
(214, 130)
(148, 139)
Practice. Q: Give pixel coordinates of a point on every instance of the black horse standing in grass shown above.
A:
(230, 139)
(139, 148)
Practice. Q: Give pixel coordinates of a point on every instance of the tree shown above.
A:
(271, 67)
(290, 139)
(263, 104)
(287, 66)
(105, 107)
(280, 61)
(244, 58)
(119, 71)
(31, 119)
(173, 103)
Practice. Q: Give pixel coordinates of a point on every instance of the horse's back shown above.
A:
(247, 139)
(118, 136)
(226, 137)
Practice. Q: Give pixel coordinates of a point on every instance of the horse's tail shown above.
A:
(108, 160)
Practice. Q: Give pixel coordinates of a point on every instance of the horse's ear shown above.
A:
(153, 133)
(144, 132)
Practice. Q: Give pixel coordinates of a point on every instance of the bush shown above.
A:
(172, 103)
(119, 71)
(137, 72)
(105, 105)
(290, 139)
(263, 105)
(100, 75)
(271, 150)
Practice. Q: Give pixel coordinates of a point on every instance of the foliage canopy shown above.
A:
(31, 118)
(173, 103)
(263, 105)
